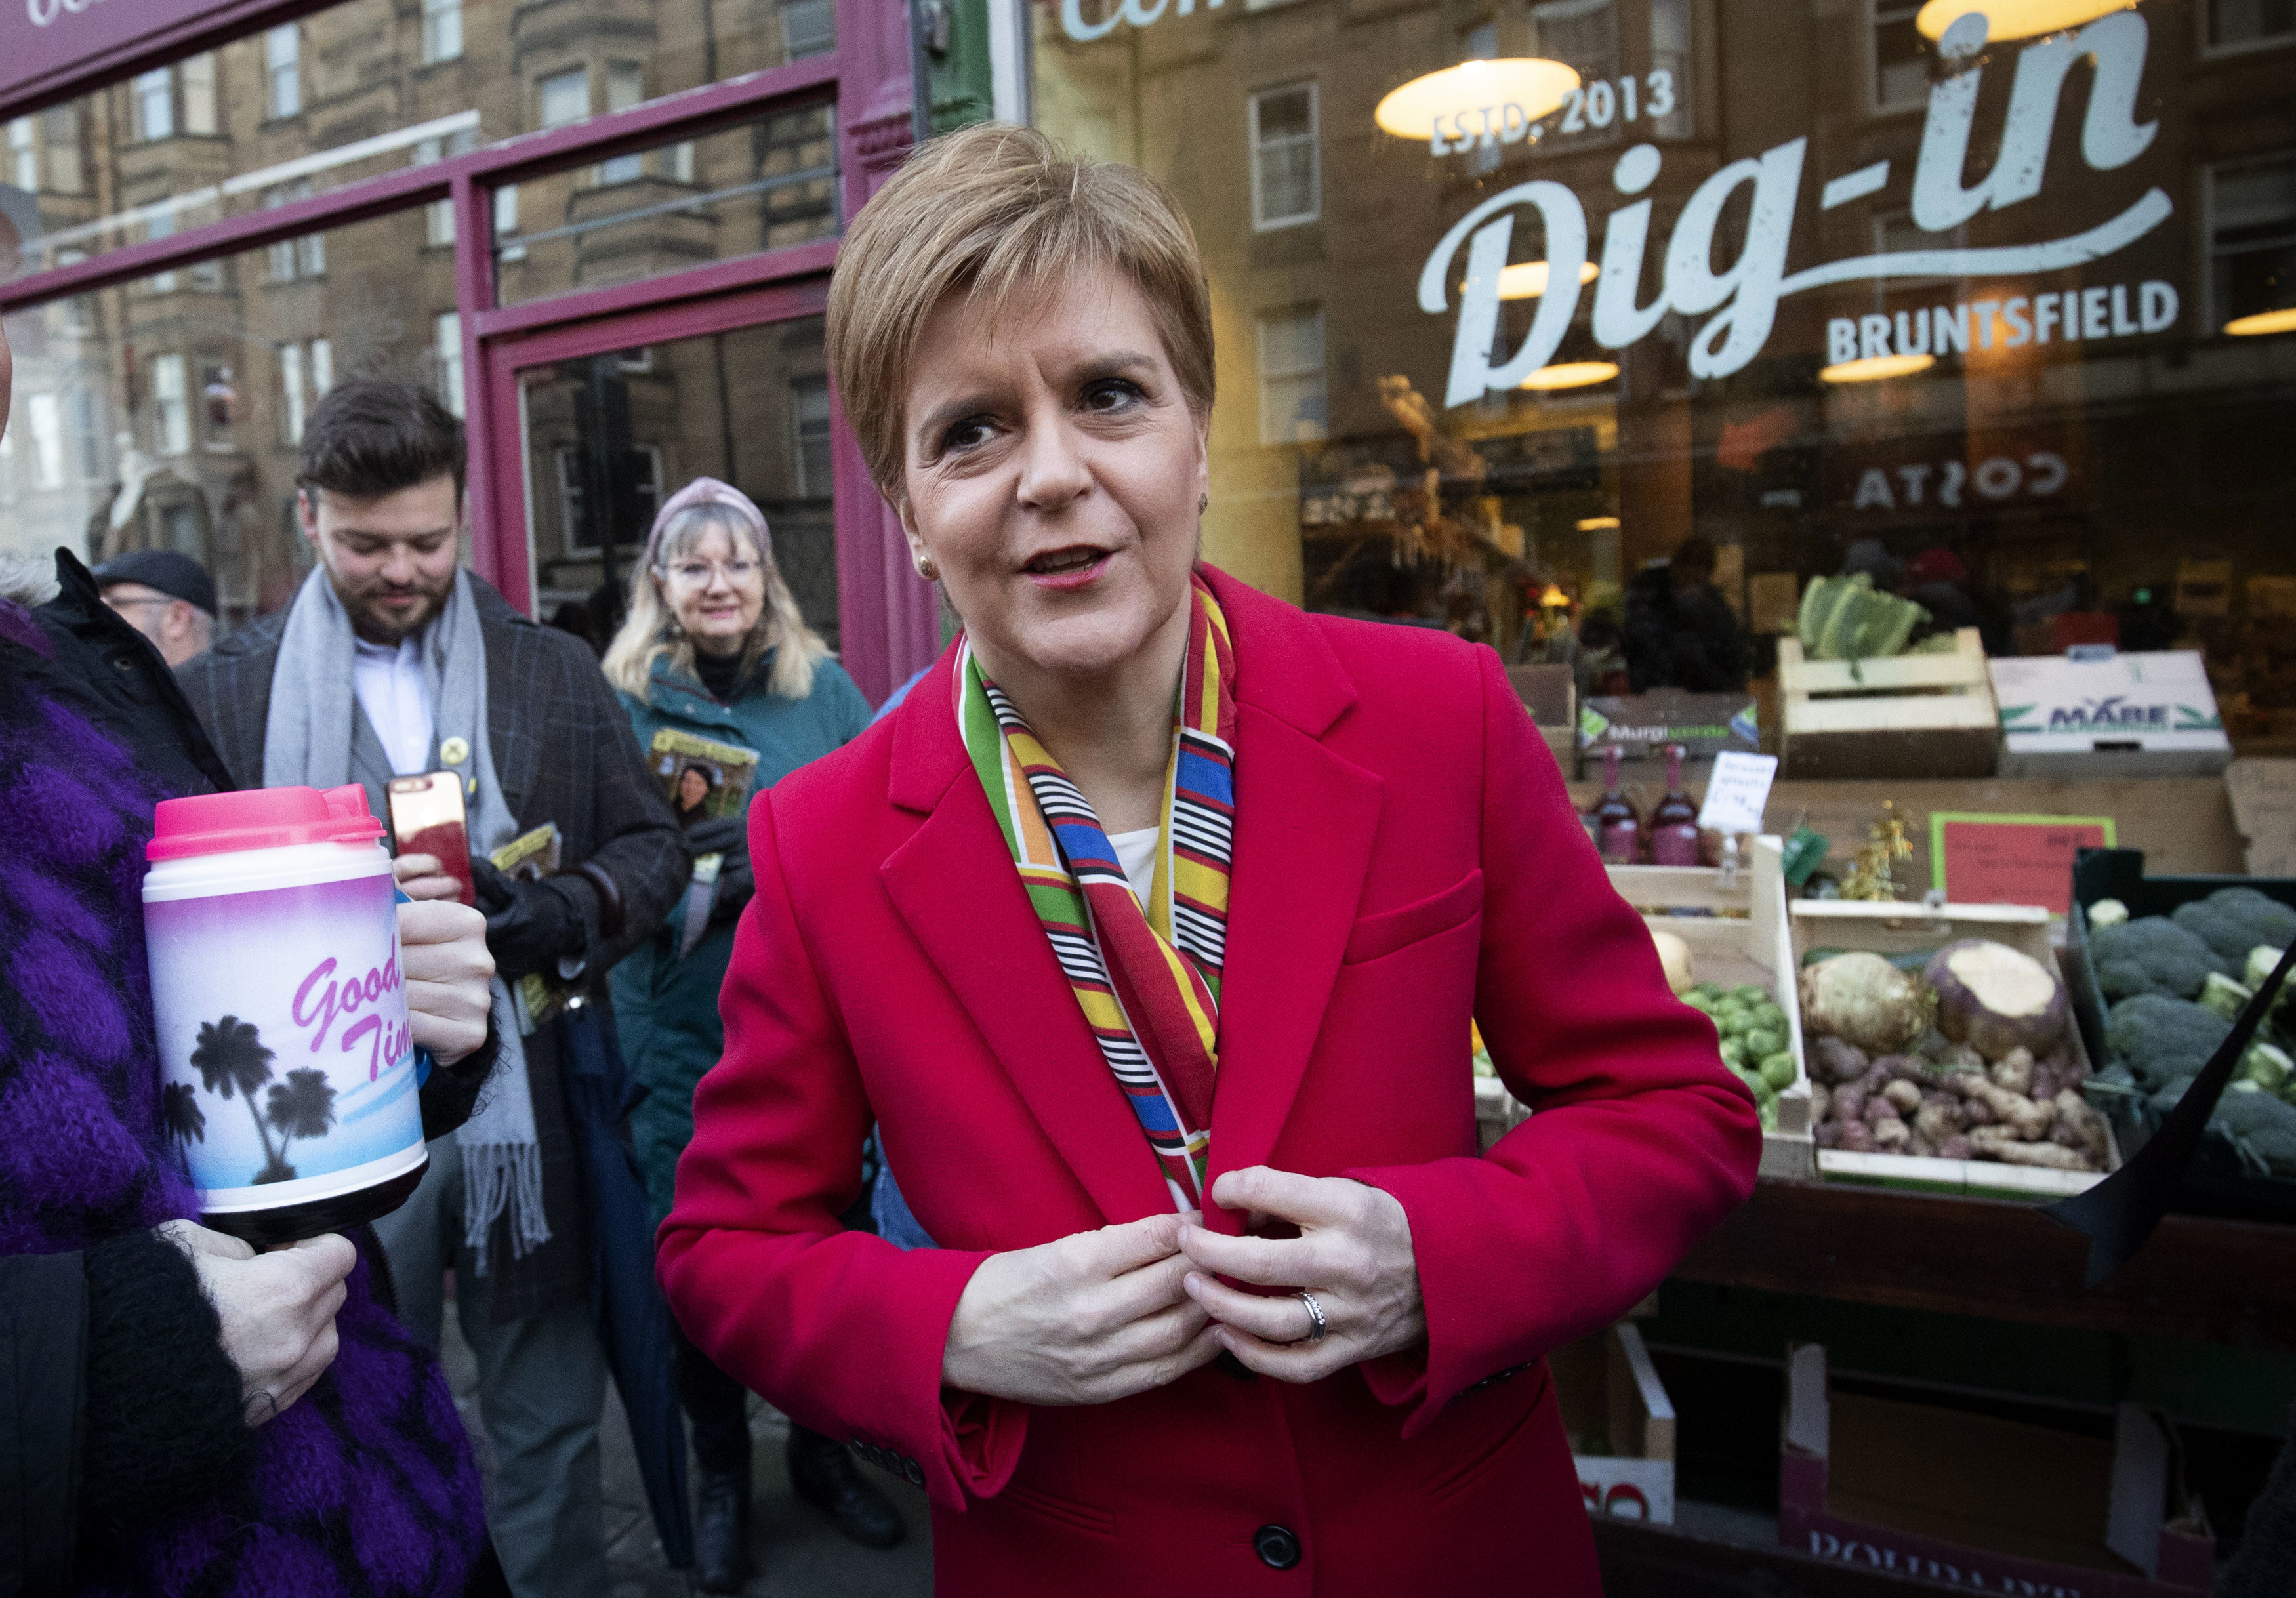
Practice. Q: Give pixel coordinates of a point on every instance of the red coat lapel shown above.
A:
(953, 883)
(1306, 819)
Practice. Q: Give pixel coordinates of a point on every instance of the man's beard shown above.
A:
(376, 625)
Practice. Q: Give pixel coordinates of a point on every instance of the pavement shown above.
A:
(797, 1551)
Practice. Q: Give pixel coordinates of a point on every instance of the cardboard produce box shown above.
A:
(1640, 726)
(2120, 716)
(1896, 928)
(1994, 1505)
(1620, 1424)
(1737, 934)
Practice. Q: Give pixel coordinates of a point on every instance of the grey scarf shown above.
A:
(307, 739)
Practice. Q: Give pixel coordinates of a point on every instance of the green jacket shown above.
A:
(665, 1007)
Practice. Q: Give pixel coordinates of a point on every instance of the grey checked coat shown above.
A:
(563, 752)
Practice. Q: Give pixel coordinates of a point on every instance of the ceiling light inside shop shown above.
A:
(1526, 280)
(2006, 19)
(1597, 524)
(2239, 327)
(1535, 87)
(1873, 368)
(1571, 374)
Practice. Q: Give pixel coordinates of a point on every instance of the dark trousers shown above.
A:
(717, 1409)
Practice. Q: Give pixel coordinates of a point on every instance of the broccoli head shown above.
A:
(2160, 1038)
(2270, 1152)
(2155, 955)
(2243, 1113)
(2233, 921)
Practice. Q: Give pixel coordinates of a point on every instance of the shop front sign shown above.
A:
(1743, 299)
(1923, 477)
(55, 37)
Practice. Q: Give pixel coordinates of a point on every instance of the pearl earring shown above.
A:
(927, 570)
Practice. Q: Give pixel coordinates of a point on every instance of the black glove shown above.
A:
(736, 882)
(530, 926)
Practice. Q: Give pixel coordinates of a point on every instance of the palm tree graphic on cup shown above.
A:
(232, 1054)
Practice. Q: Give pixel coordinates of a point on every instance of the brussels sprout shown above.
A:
(1778, 1069)
(1734, 1053)
(1751, 992)
(1761, 1042)
(1699, 1001)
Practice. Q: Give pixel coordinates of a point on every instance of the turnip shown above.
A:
(1863, 999)
(1996, 998)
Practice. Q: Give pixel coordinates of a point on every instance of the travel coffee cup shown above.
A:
(288, 1079)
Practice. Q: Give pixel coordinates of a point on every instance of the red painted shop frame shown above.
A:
(887, 614)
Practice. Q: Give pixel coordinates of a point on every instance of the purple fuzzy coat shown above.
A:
(367, 1486)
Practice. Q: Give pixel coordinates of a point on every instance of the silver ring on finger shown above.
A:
(1315, 1315)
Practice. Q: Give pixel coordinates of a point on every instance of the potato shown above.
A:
(1998, 1143)
(1903, 1094)
(1956, 1147)
(1831, 1059)
(2013, 1071)
(1891, 1134)
(1850, 1102)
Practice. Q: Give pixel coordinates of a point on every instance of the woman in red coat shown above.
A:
(1149, 930)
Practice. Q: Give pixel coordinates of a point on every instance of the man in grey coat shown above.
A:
(394, 661)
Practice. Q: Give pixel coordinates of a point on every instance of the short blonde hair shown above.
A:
(650, 631)
(999, 210)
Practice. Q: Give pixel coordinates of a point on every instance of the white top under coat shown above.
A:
(388, 681)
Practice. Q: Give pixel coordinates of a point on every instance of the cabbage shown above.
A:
(1843, 618)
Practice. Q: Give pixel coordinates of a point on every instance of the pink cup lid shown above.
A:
(261, 818)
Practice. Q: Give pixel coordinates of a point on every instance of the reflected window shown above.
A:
(1901, 68)
(23, 160)
(808, 28)
(153, 96)
(625, 87)
(46, 418)
(282, 70)
(565, 97)
(2252, 238)
(447, 342)
(1286, 176)
(304, 257)
(2240, 24)
(198, 83)
(810, 414)
(171, 407)
(438, 216)
(442, 29)
(294, 399)
(87, 410)
(1295, 404)
(1670, 71)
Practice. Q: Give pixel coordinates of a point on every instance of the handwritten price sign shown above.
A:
(2012, 859)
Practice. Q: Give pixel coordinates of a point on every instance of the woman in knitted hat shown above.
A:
(715, 646)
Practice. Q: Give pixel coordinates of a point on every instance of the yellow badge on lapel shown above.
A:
(454, 751)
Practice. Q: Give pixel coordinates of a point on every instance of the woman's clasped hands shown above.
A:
(1102, 1315)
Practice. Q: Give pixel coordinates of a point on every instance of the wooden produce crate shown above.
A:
(1902, 716)
(1897, 929)
(1743, 938)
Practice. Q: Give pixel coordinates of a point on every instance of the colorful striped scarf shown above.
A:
(1148, 982)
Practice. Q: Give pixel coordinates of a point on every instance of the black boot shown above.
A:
(721, 1531)
(826, 1476)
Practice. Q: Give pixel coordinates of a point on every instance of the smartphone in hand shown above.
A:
(427, 818)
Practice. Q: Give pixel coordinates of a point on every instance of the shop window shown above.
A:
(625, 87)
(447, 343)
(1294, 404)
(1901, 69)
(171, 407)
(218, 405)
(282, 70)
(809, 415)
(565, 97)
(23, 160)
(198, 76)
(2244, 24)
(1286, 174)
(46, 418)
(59, 131)
(294, 400)
(2251, 239)
(153, 96)
(808, 28)
(1582, 34)
(442, 29)
(161, 225)
(1672, 69)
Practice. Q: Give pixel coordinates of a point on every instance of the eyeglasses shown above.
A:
(700, 574)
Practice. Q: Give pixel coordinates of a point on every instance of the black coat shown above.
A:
(1685, 639)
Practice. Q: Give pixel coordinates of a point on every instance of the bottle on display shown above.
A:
(287, 1074)
(1674, 822)
(1618, 825)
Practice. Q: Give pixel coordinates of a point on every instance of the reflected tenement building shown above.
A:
(167, 412)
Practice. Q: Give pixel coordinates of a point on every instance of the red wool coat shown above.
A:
(1406, 856)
